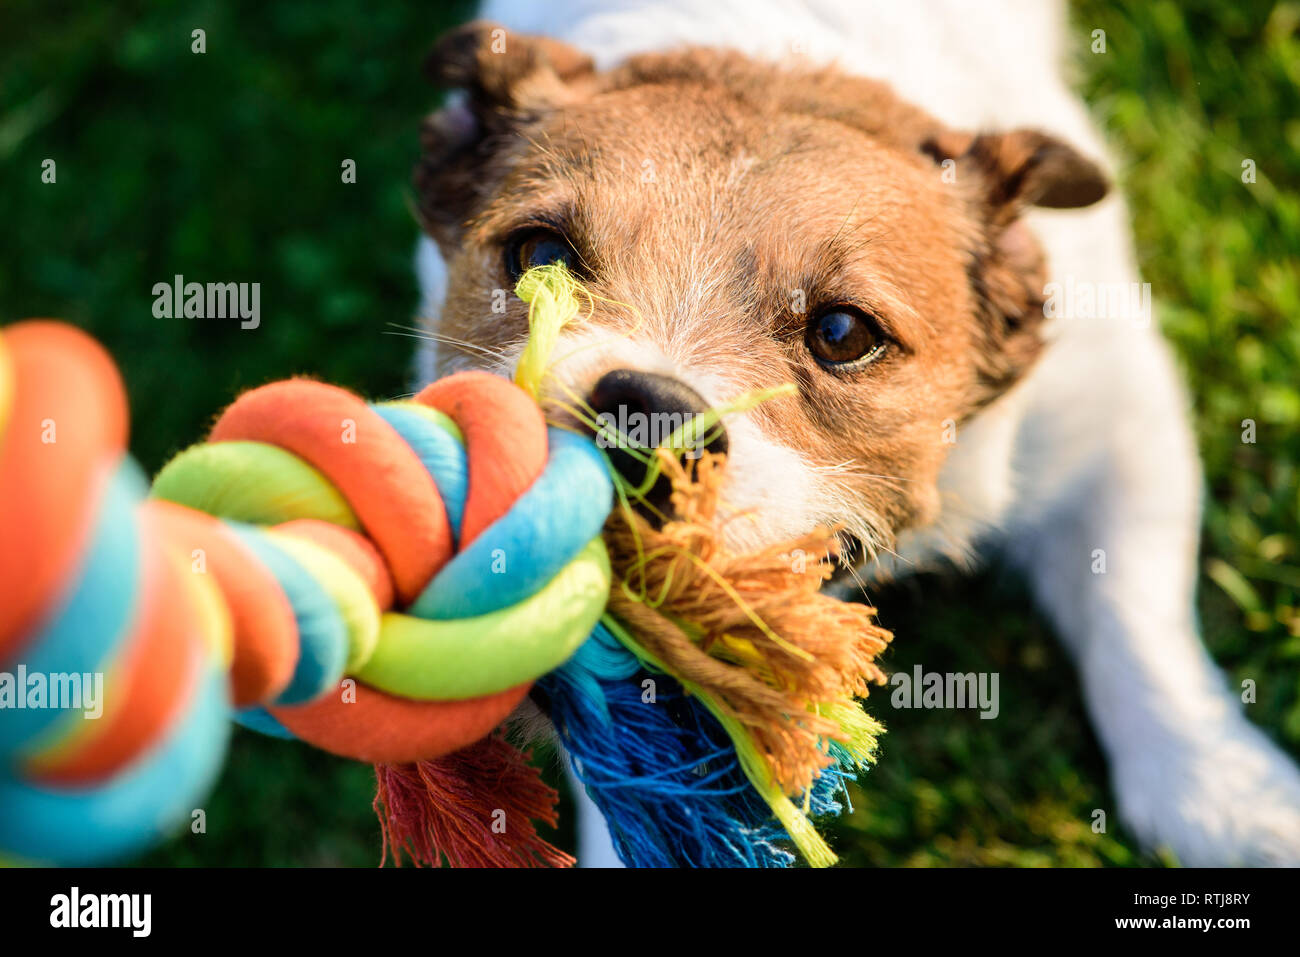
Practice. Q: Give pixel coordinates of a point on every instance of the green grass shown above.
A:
(227, 166)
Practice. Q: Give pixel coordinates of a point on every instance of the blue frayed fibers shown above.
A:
(665, 774)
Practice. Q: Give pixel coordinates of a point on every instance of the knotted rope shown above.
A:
(280, 550)
(386, 582)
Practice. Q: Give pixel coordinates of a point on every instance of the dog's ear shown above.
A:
(500, 82)
(999, 175)
(504, 72)
(1022, 168)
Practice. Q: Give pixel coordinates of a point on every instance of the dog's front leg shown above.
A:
(1114, 564)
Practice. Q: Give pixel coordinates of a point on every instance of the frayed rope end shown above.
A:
(473, 808)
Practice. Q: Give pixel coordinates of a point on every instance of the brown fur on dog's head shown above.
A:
(731, 202)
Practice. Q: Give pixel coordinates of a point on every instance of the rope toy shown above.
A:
(388, 582)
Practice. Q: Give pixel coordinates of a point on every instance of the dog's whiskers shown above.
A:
(413, 332)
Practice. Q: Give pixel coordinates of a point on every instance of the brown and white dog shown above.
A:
(848, 197)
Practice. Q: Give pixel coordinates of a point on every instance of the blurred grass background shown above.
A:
(226, 166)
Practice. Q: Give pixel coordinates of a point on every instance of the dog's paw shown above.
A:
(1230, 801)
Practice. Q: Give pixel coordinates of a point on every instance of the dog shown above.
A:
(903, 210)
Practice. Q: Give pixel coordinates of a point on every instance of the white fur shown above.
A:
(1092, 451)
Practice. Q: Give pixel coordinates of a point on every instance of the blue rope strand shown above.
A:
(663, 771)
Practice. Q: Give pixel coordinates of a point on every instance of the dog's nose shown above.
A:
(638, 411)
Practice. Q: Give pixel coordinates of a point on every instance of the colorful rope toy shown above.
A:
(387, 582)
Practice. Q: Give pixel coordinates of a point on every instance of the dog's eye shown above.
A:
(539, 247)
(842, 335)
